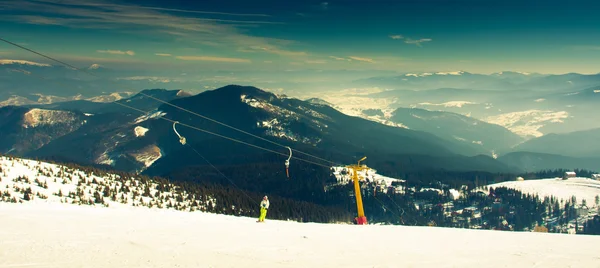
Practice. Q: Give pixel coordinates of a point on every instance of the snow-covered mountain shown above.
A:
(25, 130)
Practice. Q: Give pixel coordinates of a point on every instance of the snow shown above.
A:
(370, 174)
(37, 117)
(47, 233)
(16, 101)
(450, 73)
(353, 102)
(281, 118)
(582, 188)
(527, 123)
(115, 96)
(140, 131)
(457, 104)
(94, 66)
(56, 184)
(62, 235)
(455, 194)
(153, 115)
(147, 155)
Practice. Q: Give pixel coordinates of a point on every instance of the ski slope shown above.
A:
(582, 188)
(71, 229)
(66, 235)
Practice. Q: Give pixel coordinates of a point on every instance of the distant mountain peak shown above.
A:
(94, 66)
(511, 73)
(319, 101)
(425, 74)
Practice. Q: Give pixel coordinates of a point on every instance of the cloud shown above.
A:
(315, 61)
(25, 62)
(87, 59)
(117, 52)
(203, 12)
(362, 59)
(409, 40)
(324, 5)
(210, 58)
(163, 54)
(171, 23)
(338, 58)
(154, 79)
(417, 42)
(273, 50)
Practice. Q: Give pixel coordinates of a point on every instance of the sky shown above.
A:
(277, 38)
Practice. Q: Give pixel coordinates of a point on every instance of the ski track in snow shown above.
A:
(62, 235)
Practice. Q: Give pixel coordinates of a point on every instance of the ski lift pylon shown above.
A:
(181, 138)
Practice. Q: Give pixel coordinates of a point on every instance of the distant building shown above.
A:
(520, 179)
(569, 174)
(596, 176)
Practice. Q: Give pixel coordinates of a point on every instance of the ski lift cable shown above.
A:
(223, 136)
(182, 139)
(165, 102)
(237, 129)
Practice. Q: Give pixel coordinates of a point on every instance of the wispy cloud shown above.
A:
(362, 59)
(87, 59)
(117, 52)
(173, 23)
(339, 58)
(163, 54)
(203, 12)
(418, 41)
(210, 58)
(26, 62)
(324, 5)
(154, 79)
(273, 50)
(315, 61)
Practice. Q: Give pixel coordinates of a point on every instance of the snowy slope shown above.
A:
(51, 230)
(343, 175)
(28, 181)
(582, 188)
(61, 235)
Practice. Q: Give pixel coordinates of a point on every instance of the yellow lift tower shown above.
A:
(361, 219)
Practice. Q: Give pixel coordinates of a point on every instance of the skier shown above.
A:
(264, 206)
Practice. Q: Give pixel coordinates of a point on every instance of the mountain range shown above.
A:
(132, 141)
(451, 120)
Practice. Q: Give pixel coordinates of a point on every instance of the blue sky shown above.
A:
(241, 36)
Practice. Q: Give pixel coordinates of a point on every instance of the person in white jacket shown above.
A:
(264, 206)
